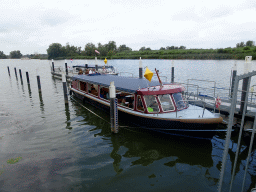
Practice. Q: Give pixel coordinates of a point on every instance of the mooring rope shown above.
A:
(90, 110)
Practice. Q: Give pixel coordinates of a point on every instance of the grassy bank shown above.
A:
(197, 54)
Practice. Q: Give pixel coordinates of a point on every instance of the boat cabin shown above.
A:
(131, 93)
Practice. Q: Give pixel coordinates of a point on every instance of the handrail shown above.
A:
(187, 103)
(205, 81)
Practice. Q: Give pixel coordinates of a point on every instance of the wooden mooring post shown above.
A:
(15, 72)
(27, 77)
(172, 80)
(8, 70)
(66, 67)
(21, 76)
(113, 108)
(38, 83)
(53, 66)
(233, 78)
(64, 82)
(140, 69)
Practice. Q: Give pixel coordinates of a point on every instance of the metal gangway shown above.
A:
(245, 78)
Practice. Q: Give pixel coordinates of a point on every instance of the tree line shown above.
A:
(13, 55)
(109, 50)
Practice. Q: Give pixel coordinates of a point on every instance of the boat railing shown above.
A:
(192, 101)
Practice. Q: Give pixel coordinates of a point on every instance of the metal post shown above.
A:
(140, 69)
(228, 134)
(240, 134)
(27, 77)
(65, 88)
(86, 66)
(8, 70)
(53, 66)
(233, 78)
(245, 83)
(15, 72)
(96, 68)
(113, 108)
(172, 72)
(66, 66)
(38, 83)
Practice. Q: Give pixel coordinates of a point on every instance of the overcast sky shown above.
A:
(31, 26)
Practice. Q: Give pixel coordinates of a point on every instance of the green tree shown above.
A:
(55, 50)
(90, 49)
(15, 54)
(2, 55)
(182, 47)
(162, 48)
(249, 43)
(170, 48)
(102, 49)
(71, 50)
(123, 48)
(111, 46)
(142, 49)
(240, 44)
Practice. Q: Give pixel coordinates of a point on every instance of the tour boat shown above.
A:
(145, 104)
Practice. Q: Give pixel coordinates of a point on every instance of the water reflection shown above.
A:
(29, 91)
(67, 112)
(180, 155)
(41, 102)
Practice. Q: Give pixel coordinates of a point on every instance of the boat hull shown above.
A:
(155, 123)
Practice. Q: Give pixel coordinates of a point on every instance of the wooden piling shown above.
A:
(64, 82)
(66, 67)
(172, 80)
(27, 77)
(233, 78)
(53, 66)
(15, 72)
(140, 69)
(8, 70)
(20, 75)
(38, 83)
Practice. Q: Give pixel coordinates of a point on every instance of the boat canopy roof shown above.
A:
(127, 84)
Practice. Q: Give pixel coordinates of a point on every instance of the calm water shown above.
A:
(47, 146)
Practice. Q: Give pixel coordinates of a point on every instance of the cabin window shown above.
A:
(125, 99)
(93, 89)
(104, 92)
(140, 106)
(82, 86)
(179, 100)
(152, 104)
(166, 102)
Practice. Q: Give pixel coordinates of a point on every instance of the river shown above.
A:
(49, 146)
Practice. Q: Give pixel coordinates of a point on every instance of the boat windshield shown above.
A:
(166, 102)
(151, 102)
(179, 101)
